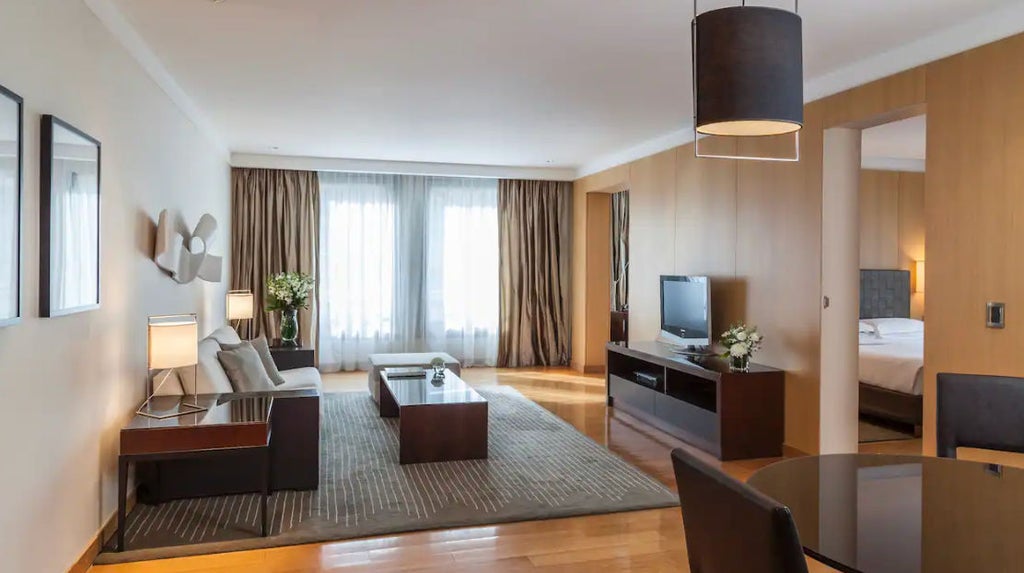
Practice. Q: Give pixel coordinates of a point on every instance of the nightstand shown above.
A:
(292, 357)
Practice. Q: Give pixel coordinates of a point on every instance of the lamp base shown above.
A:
(180, 408)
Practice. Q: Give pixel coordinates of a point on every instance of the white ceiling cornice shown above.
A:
(120, 28)
(401, 167)
(969, 34)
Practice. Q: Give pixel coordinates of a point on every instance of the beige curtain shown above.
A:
(274, 228)
(534, 238)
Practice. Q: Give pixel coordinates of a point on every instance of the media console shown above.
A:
(733, 415)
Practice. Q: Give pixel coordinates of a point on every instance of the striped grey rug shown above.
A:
(539, 467)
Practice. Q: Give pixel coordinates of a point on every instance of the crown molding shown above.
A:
(971, 33)
(122, 30)
(400, 167)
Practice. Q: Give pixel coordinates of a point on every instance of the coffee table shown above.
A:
(436, 422)
(231, 424)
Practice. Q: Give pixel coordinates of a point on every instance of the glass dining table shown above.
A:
(869, 513)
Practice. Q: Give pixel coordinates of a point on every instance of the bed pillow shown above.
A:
(892, 326)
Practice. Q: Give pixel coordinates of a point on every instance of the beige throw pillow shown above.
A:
(245, 369)
(263, 349)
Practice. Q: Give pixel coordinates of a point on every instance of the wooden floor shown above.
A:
(635, 541)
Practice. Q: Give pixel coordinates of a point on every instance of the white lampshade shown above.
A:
(173, 342)
(240, 305)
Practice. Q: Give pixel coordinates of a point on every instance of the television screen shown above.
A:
(685, 308)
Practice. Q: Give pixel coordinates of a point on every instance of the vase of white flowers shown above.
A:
(288, 292)
(741, 342)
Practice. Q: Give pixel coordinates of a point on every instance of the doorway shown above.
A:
(620, 267)
(872, 256)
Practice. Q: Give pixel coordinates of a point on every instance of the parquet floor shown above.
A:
(636, 541)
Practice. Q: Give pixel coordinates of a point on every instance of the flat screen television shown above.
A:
(686, 311)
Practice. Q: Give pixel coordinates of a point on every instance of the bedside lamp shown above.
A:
(173, 343)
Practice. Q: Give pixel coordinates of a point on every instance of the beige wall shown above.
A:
(70, 383)
(892, 234)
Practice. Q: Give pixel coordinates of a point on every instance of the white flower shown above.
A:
(755, 337)
(741, 336)
(738, 350)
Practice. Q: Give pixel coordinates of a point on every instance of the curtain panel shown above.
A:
(274, 228)
(534, 234)
(408, 264)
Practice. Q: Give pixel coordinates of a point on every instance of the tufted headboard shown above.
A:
(884, 293)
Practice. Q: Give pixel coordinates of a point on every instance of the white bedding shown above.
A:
(893, 362)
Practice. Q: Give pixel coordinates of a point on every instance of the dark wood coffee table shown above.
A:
(436, 422)
(233, 423)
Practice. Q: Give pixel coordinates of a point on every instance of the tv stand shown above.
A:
(733, 415)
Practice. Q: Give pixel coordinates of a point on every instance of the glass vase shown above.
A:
(739, 363)
(290, 328)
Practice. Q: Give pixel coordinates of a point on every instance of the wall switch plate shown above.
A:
(995, 315)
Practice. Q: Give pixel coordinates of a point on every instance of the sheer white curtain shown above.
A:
(407, 264)
(75, 247)
(9, 217)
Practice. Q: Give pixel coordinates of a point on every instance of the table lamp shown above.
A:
(173, 343)
(240, 305)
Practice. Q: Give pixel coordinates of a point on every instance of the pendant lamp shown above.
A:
(748, 71)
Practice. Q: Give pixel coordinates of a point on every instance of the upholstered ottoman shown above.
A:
(379, 362)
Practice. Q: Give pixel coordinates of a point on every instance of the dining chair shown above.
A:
(729, 526)
(977, 411)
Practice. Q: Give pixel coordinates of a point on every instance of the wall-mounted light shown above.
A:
(919, 277)
(748, 75)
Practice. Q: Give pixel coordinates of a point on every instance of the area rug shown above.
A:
(539, 467)
(872, 430)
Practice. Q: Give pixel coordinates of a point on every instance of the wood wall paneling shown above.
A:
(599, 279)
(879, 219)
(912, 232)
(706, 230)
(652, 239)
(974, 215)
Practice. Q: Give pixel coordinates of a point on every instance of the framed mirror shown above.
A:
(69, 220)
(11, 133)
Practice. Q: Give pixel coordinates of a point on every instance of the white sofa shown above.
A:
(211, 378)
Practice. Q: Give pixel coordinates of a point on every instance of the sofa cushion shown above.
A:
(263, 349)
(210, 375)
(300, 378)
(245, 369)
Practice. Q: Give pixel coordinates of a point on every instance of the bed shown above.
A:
(891, 356)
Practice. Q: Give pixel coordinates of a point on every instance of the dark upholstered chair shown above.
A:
(977, 411)
(730, 527)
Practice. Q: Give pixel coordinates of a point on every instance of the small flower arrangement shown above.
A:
(741, 342)
(438, 365)
(288, 291)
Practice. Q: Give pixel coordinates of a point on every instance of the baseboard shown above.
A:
(84, 561)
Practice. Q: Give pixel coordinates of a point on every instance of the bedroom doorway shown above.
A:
(872, 275)
(892, 260)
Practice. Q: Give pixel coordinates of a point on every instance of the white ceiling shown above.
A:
(895, 143)
(492, 82)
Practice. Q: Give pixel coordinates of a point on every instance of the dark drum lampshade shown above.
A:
(748, 71)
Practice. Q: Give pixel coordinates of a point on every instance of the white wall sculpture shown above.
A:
(187, 257)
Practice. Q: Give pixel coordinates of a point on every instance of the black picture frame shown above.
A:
(18, 201)
(49, 125)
